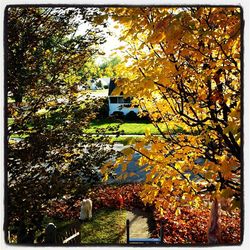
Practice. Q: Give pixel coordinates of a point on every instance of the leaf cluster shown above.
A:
(183, 69)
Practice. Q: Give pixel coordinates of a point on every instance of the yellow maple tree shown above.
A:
(183, 68)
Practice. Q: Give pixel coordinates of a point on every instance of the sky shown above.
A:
(112, 43)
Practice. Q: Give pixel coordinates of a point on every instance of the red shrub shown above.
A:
(126, 196)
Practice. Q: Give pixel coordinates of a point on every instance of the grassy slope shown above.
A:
(106, 227)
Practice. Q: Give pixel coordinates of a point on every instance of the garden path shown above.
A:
(140, 223)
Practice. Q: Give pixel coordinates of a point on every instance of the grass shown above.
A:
(104, 91)
(128, 128)
(106, 227)
(60, 224)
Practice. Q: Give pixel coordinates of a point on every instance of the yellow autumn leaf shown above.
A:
(116, 91)
(177, 211)
(124, 166)
(52, 104)
(182, 78)
(132, 174)
(105, 177)
(127, 151)
(42, 111)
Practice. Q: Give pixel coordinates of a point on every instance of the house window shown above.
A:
(120, 100)
(127, 100)
(113, 99)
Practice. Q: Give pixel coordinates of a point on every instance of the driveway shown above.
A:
(139, 172)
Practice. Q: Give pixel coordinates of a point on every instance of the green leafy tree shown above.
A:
(109, 66)
(92, 70)
(48, 154)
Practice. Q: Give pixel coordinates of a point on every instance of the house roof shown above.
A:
(111, 86)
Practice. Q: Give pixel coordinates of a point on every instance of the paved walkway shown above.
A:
(139, 223)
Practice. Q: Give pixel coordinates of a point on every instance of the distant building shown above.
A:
(99, 83)
(118, 102)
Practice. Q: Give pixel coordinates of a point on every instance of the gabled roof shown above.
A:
(111, 86)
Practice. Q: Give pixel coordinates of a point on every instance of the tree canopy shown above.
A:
(183, 68)
(93, 70)
(48, 154)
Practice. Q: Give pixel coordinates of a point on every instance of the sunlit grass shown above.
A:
(106, 227)
(126, 128)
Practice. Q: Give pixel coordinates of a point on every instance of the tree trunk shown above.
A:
(213, 232)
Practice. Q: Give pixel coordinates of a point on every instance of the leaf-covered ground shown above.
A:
(189, 227)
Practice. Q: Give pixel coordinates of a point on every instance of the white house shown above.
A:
(118, 102)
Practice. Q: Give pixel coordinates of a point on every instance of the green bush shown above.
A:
(118, 115)
(103, 111)
(131, 116)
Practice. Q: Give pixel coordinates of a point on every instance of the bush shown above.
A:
(131, 116)
(145, 119)
(109, 197)
(103, 111)
(118, 115)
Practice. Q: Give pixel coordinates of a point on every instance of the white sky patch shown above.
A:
(82, 29)
(112, 43)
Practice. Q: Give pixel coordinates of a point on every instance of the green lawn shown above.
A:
(99, 91)
(129, 128)
(106, 227)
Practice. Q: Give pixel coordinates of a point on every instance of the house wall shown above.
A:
(120, 107)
